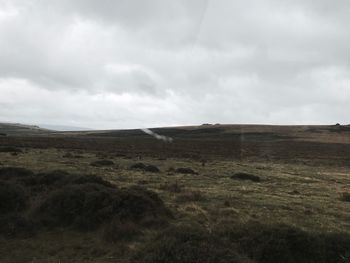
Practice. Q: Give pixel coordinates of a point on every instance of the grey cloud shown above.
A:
(204, 61)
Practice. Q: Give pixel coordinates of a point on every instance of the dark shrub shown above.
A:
(68, 155)
(100, 163)
(89, 205)
(152, 169)
(136, 166)
(187, 244)
(13, 173)
(85, 206)
(15, 225)
(345, 197)
(138, 203)
(117, 230)
(171, 170)
(277, 243)
(144, 167)
(84, 179)
(155, 222)
(246, 176)
(47, 181)
(10, 149)
(58, 178)
(12, 198)
(337, 248)
(185, 171)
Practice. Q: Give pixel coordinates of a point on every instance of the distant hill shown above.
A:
(243, 132)
(63, 127)
(22, 129)
(19, 129)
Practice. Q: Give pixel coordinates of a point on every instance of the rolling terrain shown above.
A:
(328, 145)
(216, 193)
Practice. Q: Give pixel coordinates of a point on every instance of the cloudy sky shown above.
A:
(146, 63)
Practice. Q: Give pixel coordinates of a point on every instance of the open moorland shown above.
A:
(216, 193)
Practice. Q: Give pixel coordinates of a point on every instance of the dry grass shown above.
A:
(298, 195)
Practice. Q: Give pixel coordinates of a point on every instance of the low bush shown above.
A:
(8, 173)
(251, 242)
(93, 179)
(15, 225)
(68, 155)
(246, 176)
(117, 230)
(53, 178)
(12, 198)
(89, 205)
(152, 169)
(81, 201)
(10, 149)
(57, 179)
(280, 243)
(283, 243)
(171, 170)
(345, 196)
(336, 248)
(144, 167)
(187, 244)
(140, 166)
(185, 171)
(84, 206)
(138, 203)
(100, 163)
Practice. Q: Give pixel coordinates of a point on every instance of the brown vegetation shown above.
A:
(57, 211)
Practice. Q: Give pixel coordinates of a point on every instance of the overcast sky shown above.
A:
(146, 63)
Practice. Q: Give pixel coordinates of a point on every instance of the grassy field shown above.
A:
(249, 187)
